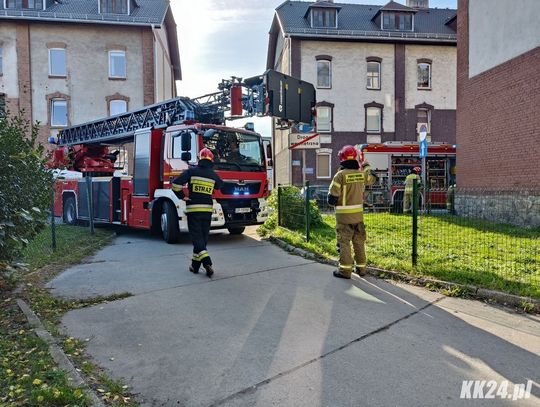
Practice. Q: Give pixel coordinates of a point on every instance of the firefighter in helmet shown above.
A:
(202, 181)
(408, 197)
(347, 195)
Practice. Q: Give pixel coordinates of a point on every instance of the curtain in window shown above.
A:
(373, 124)
(323, 74)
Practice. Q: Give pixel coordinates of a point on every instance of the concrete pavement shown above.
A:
(275, 329)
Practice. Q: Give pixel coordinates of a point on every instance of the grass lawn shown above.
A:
(28, 374)
(450, 248)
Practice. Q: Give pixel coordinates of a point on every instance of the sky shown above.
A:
(223, 38)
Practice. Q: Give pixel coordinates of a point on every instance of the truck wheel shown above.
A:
(169, 223)
(236, 231)
(69, 211)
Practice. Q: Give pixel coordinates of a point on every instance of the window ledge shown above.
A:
(116, 78)
(373, 88)
(57, 76)
(324, 87)
(423, 88)
(323, 177)
(52, 126)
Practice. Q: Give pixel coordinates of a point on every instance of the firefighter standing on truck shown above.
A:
(202, 181)
(408, 196)
(347, 195)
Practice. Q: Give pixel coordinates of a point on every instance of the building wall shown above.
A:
(506, 28)
(165, 85)
(9, 84)
(497, 131)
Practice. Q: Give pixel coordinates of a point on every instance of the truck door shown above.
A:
(267, 143)
(139, 216)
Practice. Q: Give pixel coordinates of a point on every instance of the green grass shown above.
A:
(450, 248)
(28, 374)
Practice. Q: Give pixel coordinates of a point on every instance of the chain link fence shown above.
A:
(439, 233)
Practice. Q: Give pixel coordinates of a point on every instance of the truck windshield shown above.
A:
(234, 149)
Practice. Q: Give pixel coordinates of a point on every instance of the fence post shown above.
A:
(279, 204)
(53, 224)
(89, 192)
(415, 198)
(308, 221)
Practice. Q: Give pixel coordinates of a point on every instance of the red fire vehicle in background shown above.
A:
(165, 139)
(393, 161)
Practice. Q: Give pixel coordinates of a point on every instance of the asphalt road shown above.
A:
(272, 329)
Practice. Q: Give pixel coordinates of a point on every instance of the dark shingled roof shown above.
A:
(355, 22)
(148, 12)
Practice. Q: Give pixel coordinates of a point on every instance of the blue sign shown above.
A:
(423, 149)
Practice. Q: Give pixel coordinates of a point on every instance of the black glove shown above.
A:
(332, 200)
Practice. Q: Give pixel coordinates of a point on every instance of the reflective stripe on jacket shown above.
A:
(348, 186)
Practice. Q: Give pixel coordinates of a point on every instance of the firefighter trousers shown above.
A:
(355, 234)
(407, 202)
(199, 229)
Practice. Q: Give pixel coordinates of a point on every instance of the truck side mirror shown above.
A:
(185, 156)
(186, 142)
(270, 163)
(269, 150)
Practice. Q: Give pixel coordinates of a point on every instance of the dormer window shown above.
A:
(323, 18)
(115, 6)
(24, 4)
(397, 21)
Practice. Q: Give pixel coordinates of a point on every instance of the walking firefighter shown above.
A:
(347, 195)
(408, 197)
(201, 180)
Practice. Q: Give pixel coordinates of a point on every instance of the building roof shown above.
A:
(148, 12)
(393, 6)
(355, 21)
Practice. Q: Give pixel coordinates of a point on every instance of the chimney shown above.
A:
(418, 3)
(325, 1)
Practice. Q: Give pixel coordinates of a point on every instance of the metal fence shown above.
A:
(444, 233)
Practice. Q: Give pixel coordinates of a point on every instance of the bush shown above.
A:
(25, 187)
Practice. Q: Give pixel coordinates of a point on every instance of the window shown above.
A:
(114, 6)
(325, 18)
(117, 64)
(424, 75)
(374, 75)
(59, 114)
(25, 4)
(397, 21)
(373, 119)
(423, 117)
(57, 62)
(324, 119)
(324, 74)
(1, 61)
(324, 160)
(117, 107)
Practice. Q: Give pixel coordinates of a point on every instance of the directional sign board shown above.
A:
(423, 149)
(304, 141)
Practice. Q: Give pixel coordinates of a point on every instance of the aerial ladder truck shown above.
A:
(165, 139)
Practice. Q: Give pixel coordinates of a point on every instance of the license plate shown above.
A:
(242, 210)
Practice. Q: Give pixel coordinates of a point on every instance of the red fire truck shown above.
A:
(393, 161)
(165, 139)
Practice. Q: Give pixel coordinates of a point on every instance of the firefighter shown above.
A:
(450, 196)
(202, 181)
(407, 198)
(347, 195)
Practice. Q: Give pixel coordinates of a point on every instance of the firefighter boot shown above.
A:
(193, 270)
(338, 274)
(209, 270)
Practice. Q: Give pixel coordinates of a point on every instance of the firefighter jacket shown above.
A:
(202, 181)
(409, 182)
(347, 192)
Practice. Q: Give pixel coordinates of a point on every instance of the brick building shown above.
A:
(379, 73)
(498, 116)
(74, 61)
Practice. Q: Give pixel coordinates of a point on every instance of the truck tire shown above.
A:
(69, 211)
(169, 223)
(236, 231)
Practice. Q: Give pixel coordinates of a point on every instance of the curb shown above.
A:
(475, 292)
(58, 354)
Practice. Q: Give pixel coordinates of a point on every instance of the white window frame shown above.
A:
(329, 73)
(323, 10)
(368, 75)
(117, 100)
(329, 128)
(319, 153)
(53, 124)
(430, 75)
(50, 63)
(1, 60)
(379, 131)
(117, 51)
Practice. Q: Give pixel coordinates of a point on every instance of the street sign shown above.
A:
(304, 141)
(423, 148)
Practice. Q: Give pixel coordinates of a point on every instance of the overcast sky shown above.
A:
(221, 38)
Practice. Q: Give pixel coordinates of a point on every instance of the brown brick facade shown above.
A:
(148, 66)
(498, 120)
(23, 70)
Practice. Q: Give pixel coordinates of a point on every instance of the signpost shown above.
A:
(422, 153)
(304, 141)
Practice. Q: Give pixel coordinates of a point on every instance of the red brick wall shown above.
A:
(23, 69)
(498, 119)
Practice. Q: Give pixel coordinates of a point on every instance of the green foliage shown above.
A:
(25, 185)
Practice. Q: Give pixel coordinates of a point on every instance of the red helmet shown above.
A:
(418, 170)
(348, 153)
(206, 154)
